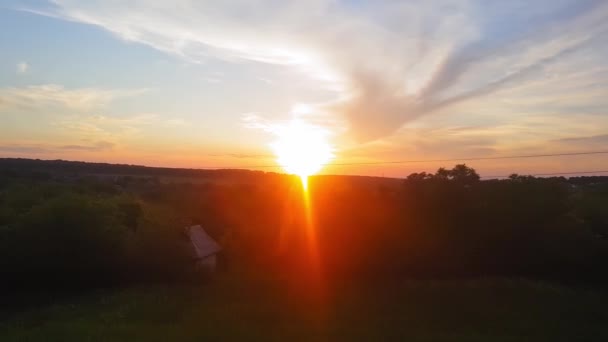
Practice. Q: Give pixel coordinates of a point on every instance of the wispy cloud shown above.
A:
(390, 62)
(255, 156)
(98, 146)
(46, 148)
(255, 121)
(23, 149)
(595, 141)
(60, 119)
(22, 67)
(43, 96)
(113, 128)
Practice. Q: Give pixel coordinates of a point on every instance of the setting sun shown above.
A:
(302, 148)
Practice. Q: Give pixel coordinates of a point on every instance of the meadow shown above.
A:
(230, 309)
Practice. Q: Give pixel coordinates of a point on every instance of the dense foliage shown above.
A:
(91, 227)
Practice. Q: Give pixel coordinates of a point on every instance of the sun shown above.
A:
(302, 148)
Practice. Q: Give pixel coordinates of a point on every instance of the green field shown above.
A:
(229, 308)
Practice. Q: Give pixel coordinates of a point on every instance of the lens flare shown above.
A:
(302, 149)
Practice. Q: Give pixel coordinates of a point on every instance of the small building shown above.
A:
(205, 248)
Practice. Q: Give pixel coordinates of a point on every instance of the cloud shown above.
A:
(23, 149)
(255, 156)
(98, 146)
(174, 122)
(68, 116)
(255, 121)
(210, 79)
(48, 95)
(112, 128)
(390, 62)
(22, 67)
(45, 148)
(597, 141)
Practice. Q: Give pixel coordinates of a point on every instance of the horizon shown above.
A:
(212, 85)
(595, 173)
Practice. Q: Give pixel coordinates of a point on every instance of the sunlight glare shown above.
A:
(302, 149)
(304, 180)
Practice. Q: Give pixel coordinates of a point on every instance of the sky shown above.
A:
(188, 83)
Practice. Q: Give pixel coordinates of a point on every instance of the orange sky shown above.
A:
(205, 84)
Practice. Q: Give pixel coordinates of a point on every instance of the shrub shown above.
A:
(68, 239)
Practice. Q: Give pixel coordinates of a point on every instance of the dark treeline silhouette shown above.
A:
(62, 225)
(39, 167)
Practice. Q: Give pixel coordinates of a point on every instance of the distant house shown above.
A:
(205, 248)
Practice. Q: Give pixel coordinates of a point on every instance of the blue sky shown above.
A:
(202, 83)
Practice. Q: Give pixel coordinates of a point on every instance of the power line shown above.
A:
(521, 156)
(554, 174)
(475, 158)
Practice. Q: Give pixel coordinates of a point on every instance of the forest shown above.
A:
(89, 226)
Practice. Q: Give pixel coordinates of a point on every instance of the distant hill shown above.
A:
(23, 166)
(77, 167)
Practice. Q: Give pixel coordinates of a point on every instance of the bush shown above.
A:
(67, 240)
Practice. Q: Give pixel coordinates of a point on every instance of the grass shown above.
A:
(231, 309)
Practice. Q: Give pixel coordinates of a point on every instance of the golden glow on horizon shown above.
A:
(302, 149)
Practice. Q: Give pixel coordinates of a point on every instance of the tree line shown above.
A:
(90, 231)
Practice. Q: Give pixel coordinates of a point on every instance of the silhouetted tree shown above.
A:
(461, 173)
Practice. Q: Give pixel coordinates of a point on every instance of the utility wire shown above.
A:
(552, 174)
(474, 158)
(521, 156)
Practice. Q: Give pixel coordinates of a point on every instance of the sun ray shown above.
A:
(303, 149)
